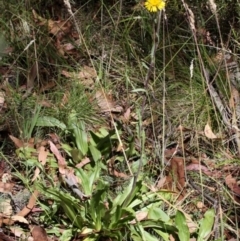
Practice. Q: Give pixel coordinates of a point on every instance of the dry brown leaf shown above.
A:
(191, 225)
(39, 233)
(6, 207)
(4, 237)
(17, 142)
(178, 171)
(87, 72)
(200, 205)
(208, 132)
(141, 215)
(232, 184)
(182, 128)
(86, 76)
(61, 160)
(64, 100)
(6, 221)
(54, 138)
(6, 187)
(57, 28)
(115, 173)
(150, 120)
(18, 232)
(127, 115)
(161, 182)
(27, 209)
(42, 158)
(47, 86)
(105, 102)
(20, 219)
(84, 162)
(198, 167)
(2, 98)
(171, 238)
(69, 48)
(32, 75)
(45, 103)
(6, 177)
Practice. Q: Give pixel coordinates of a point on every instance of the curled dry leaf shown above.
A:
(208, 132)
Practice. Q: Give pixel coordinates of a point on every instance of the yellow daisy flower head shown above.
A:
(154, 5)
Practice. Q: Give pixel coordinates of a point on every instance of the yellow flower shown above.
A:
(154, 5)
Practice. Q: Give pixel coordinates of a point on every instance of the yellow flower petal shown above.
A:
(154, 5)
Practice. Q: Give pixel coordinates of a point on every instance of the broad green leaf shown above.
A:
(49, 121)
(164, 235)
(134, 232)
(78, 131)
(97, 209)
(76, 155)
(122, 217)
(134, 194)
(131, 148)
(89, 177)
(157, 213)
(80, 137)
(70, 205)
(26, 152)
(92, 238)
(115, 217)
(66, 235)
(206, 225)
(103, 142)
(85, 182)
(149, 237)
(181, 224)
(119, 200)
(148, 196)
(170, 228)
(96, 154)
